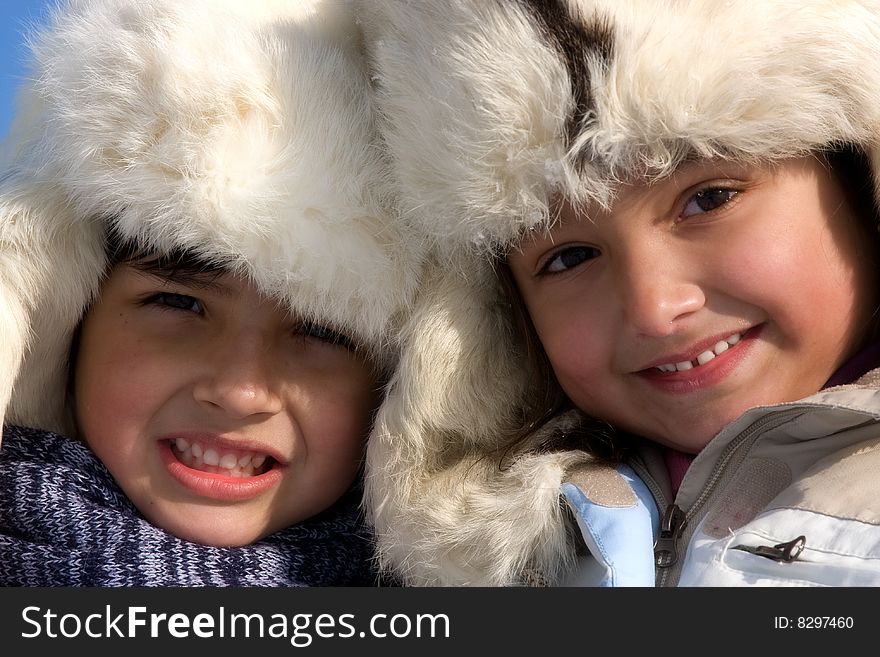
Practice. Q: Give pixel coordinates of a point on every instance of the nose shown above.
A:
(239, 378)
(658, 290)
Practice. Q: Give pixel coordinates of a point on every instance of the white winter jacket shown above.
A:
(788, 495)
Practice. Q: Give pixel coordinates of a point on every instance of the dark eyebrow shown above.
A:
(198, 279)
(181, 266)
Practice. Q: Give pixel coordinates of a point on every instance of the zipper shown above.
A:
(782, 552)
(671, 527)
(679, 524)
(643, 474)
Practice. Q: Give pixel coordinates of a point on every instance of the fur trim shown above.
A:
(243, 131)
(490, 109)
(444, 513)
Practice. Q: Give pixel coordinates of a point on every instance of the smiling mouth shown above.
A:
(223, 461)
(705, 357)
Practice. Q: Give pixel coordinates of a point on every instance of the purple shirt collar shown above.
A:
(860, 364)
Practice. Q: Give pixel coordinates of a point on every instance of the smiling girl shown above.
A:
(679, 301)
(655, 303)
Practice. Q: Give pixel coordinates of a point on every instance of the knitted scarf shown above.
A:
(65, 522)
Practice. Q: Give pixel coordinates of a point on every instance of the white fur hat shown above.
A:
(492, 108)
(243, 131)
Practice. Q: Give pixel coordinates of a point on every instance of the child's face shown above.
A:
(766, 269)
(173, 375)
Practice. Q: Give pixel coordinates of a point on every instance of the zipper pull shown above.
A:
(782, 552)
(671, 527)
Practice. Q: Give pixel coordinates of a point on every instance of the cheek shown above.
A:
(799, 283)
(117, 378)
(334, 430)
(578, 348)
(760, 277)
(336, 417)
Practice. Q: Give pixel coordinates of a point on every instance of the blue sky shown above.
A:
(15, 16)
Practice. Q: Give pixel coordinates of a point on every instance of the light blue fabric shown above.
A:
(621, 539)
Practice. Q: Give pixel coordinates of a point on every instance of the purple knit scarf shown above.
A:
(65, 522)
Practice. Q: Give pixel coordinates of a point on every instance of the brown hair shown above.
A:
(550, 401)
(852, 168)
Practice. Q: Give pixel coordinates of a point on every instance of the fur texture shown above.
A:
(243, 131)
(492, 108)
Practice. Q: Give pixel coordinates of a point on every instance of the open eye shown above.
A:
(324, 334)
(708, 199)
(568, 258)
(174, 301)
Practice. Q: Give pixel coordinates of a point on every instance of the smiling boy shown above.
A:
(202, 275)
(222, 417)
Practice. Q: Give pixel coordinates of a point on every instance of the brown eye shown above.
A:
(176, 302)
(324, 334)
(569, 258)
(707, 200)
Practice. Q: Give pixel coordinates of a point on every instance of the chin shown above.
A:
(697, 437)
(700, 436)
(219, 539)
(213, 531)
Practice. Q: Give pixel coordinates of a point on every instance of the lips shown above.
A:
(703, 357)
(704, 366)
(214, 468)
(220, 459)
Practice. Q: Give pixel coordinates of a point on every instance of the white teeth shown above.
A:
(720, 347)
(209, 459)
